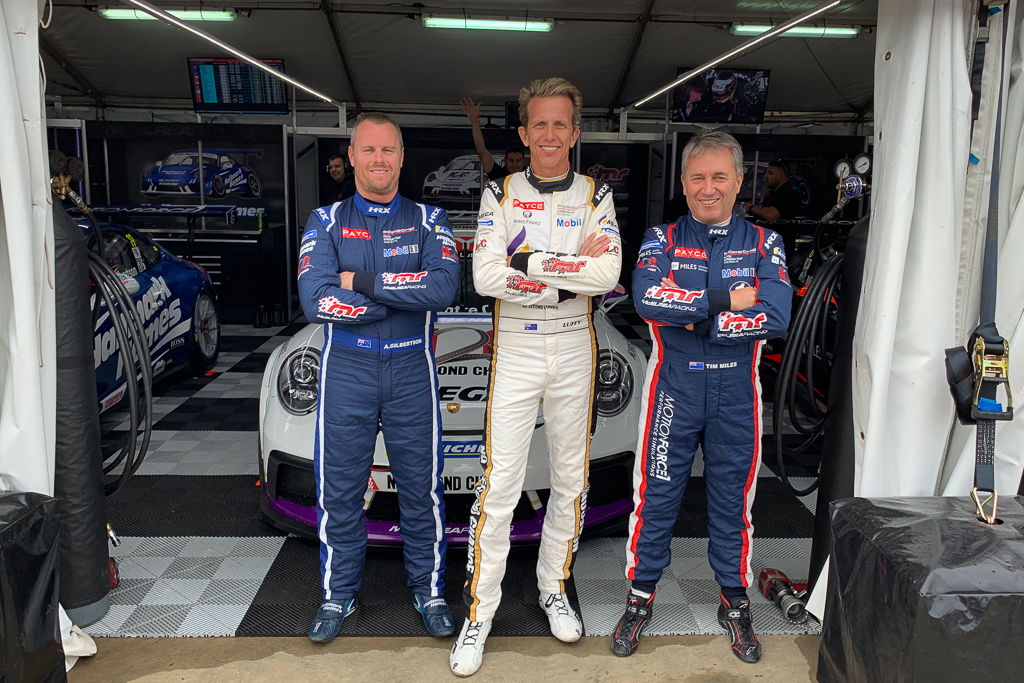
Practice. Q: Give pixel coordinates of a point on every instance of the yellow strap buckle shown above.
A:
(992, 498)
(992, 368)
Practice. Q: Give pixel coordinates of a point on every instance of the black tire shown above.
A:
(216, 186)
(253, 188)
(204, 337)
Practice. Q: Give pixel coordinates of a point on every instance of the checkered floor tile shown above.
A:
(197, 559)
(186, 586)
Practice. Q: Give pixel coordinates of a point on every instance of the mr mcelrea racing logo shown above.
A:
(555, 265)
(331, 307)
(521, 284)
(734, 322)
(402, 278)
(673, 295)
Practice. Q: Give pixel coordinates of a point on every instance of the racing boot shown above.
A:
(565, 624)
(468, 652)
(626, 637)
(735, 618)
(436, 616)
(327, 622)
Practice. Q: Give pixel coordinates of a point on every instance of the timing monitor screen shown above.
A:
(231, 85)
(721, 96)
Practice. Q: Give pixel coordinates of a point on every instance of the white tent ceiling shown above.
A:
(615, 50)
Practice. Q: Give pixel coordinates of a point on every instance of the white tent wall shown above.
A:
(959, 472)
(27, 351)
(27, 348)
(901, 404)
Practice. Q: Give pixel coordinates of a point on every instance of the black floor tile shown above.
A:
(200, 414)
(254, 362)
(776, 512)
(290, 595)
(234, 343)
(169, 505)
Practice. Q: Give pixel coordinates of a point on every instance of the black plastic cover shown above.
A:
(30, 647)
(78, 461)
(920, 590)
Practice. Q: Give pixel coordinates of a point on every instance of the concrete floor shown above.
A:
(691, 659)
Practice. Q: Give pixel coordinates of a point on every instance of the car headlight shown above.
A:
(614, 383)
(297, 380)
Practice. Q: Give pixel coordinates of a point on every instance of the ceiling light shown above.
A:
(183, 14)
(797, 31)
(489, 24)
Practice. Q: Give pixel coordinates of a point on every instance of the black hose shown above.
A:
(136, 363)
(807, 332)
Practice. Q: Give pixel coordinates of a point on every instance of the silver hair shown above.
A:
(709, 141)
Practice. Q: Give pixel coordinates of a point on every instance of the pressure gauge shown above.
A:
(862, 164)
(842, 168)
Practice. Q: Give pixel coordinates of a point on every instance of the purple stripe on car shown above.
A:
(387, 532)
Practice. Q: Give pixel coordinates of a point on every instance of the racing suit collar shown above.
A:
(369, 208)
(547, 186)
(717, 231)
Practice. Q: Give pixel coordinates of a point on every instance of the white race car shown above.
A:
(462, 178)
(288, 398)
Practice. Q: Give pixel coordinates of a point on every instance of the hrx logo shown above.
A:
(554, 265)
(402, 278)
(685, 296)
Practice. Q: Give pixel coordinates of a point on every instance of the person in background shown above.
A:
(780, 201)
(344, 184)
(515, 157)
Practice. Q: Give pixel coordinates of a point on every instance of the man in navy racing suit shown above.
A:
(713, 287)
(374, 269)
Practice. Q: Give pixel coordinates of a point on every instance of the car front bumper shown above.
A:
(289, 501)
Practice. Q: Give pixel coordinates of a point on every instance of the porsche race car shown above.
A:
(463, 333)
(179, 174)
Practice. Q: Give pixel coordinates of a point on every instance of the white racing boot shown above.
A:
(468, 652)
(565, 625)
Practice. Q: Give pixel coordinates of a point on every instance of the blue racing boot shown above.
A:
(436, 616)
(327, 622)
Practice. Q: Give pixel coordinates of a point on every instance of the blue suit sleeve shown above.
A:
(433, 286)
(671, 306)
(769, 318)
(320, 293)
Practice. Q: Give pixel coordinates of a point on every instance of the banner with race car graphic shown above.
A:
(190, 164)
(625, 168)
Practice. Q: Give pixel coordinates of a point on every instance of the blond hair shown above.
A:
(551, 87)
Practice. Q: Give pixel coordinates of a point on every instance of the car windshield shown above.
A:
(189, 159)
(464, 164)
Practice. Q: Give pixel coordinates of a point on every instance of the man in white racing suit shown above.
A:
(546, 243)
